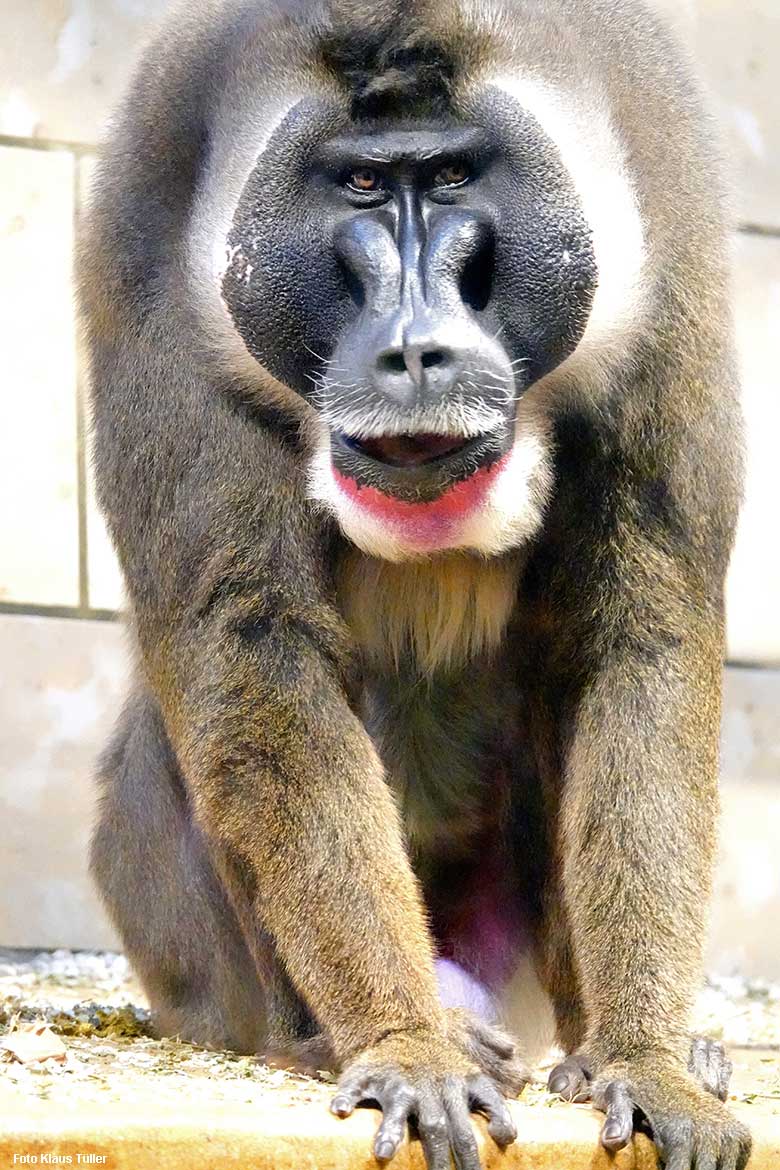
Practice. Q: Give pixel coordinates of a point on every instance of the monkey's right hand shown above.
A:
(426, 1077)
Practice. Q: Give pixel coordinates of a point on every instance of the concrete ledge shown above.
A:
(291, 1133)
(115, 1097)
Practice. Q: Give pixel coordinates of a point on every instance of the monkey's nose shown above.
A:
(408, 371)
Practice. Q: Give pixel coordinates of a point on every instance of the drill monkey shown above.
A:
(416, 430)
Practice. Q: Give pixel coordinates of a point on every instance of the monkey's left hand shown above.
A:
(690, 1127)
(708, 1062)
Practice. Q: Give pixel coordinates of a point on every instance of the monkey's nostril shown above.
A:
(476, 282)
(398, 361)
(393, 363)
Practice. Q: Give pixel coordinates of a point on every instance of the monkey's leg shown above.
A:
(558, 974)
(637, 835)
(179, 929)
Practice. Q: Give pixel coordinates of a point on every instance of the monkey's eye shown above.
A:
(364, 180)
(453, 175)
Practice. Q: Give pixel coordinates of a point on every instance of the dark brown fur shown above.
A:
(245, 808)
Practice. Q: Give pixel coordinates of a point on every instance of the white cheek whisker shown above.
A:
(492, 374)
(314, 353)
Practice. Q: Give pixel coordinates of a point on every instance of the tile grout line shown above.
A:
(28, 142)
(70, 612)
(761, 230)
(94, 614)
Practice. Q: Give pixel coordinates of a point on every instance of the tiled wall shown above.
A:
(61, 66)
(62, 63)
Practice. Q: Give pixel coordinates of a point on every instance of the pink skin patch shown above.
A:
(430, 524)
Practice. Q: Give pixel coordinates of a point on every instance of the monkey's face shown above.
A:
(411, 280)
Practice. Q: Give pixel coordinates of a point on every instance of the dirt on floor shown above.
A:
(94, 1004)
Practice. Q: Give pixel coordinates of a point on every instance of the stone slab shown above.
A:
(58, 701)
(290, 1127)
(754, 578)
(38, 465)
(65, 689)
(63, 63)
(122, 1096)
(738, 45)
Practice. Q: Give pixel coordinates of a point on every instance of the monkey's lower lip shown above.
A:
(407, 450)
(418, 467)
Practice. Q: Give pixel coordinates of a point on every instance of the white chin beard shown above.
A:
(509, 514)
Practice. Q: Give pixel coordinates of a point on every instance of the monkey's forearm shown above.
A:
(285, 781)
(639, 830)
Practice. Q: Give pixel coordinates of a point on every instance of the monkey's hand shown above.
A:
(489, 1047)
(708, 1062)
(426, 1077)
(690, 1127)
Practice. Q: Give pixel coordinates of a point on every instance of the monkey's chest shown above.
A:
(447, 746)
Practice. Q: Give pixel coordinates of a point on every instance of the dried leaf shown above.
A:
(29, 1043)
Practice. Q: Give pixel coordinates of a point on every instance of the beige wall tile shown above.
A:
(105, 589)
(57, 706)
(63, 63)
(750, 739)
(746, 896)
(754, 581)
(738, 44)
(58, 701)
(38, 465)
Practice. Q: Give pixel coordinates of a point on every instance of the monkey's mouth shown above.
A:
(418, 468)
(407, 450)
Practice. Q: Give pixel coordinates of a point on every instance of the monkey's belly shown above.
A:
(453, 756)
(485, 943)
(459, 989)
(480, 928)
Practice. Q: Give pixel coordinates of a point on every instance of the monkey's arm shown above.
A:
(228, 572)
(638, 826)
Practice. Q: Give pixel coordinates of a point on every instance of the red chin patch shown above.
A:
(430, 524)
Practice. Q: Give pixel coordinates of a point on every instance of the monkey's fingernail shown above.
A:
(613, 1137)
(384, 1151)
(341, 1106)
(560, 1083)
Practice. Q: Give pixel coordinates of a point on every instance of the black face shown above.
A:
(411, 281)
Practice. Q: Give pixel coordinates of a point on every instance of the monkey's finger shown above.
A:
(707, 1159)
(570, 1081)
(391, 1132)
(709, 1063)
(725, 1069)
(485, 1098)
(619, 1124)
(351, 1091)
(679, 1159)
(731, 1157)
(511, 1076)
(462, 1140)
(433, 1130)
(493, 1038)
(745, 1150)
